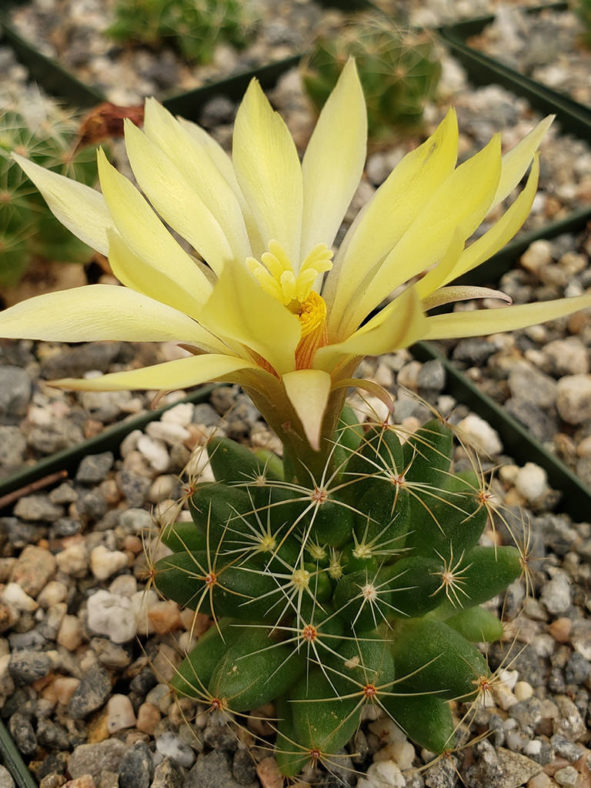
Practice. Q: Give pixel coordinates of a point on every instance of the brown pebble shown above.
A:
(165, 617)
(133, 544)
(269, 774)
(86, 781)
(148, 718)
(63, 688)
(560, 629)
(33, 569)
(195, 623)
(70, 633)
(98, 729)
(92, 428)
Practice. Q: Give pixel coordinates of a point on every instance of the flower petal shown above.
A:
(169, 376)
(78, 207)
(458, 206)
(133, 273)
(333, 162)
(502, 230)
(269, 172)
(144, 233)
(398, 325)
(517, 160)
(308, 391)
(447, 295)
(492, 321)
(95, 312)
(388, 215)
(240, 310)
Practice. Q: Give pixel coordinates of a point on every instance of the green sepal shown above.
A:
(254, 670)
(430, 656)
(322, 721)
(193, 674)
(483, 573)
(476, 624)
(426, 719)
(184, 536)
(451, 519)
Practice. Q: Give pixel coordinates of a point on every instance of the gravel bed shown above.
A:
(546, 47)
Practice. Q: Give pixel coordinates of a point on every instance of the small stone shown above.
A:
(528, 384)
(244, 769)
(573, 398)
(148, 718)
(568, 777)
(163, 487)
(85, 781)
(65, 493)
(74, 362)
(560, 629)
(155, 452)
(523, 690)
(167, 775)
(91, 693)
(431, 376)
(567, 357)
(105, 406)
(112, 615)
(182, 414)
(516, 768)
(73, 560)
(120, 713)
(136, 768)
(541, 780)
(33, 569)
(531, 482)
(164, 616)
(269, 774)
(384, 774)
(6, 780)
(556, 595)
(53, 593)
(172, 746)
(27, 666)
(538, 254)
(480, 434)
(15, 392)
(569, 724)
(14, 596)
(166, 431)
(70, 634)
(22, 732)
(63, 687)
(38, 508)
(13, 446)
(110, 655)
(93, 759)
(95, 467)
(104, 562)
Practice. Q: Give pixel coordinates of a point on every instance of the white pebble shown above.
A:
(124, 585)
(531, 482)
(180, 414)
(112, 615)
(573, 398)
(120, 713)
(523, 690)
(480, 435)
(556, 595)
(129, 443)
(70, 633)
(14, 596)
(104, 562)
(385, 774)
(171, 746)
(167, 431)
(53, 593)
(155, 452)
(73, 560)
(141, 602)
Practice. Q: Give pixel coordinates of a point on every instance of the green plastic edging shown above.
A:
(482, 69)
(68, 459)
(517, 440)
(12, 760)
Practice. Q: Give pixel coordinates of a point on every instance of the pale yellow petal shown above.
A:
(500, 233)
(491, 321)
(144, 233)
(195, 165)
(308, 391)
(517, 160)
(133, 273)
(269, 171)
(179, 374)
(78, 207)
(95, 312)
(443, 271)
(392, 209)
(175, 198)
(239, 310)
(398, 325)
(448, 295)
(333, 162)
(458, 206)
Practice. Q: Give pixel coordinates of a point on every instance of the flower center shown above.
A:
(275, 274)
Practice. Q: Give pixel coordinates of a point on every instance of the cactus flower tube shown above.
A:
(260, 299)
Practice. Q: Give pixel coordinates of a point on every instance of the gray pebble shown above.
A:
(516, 768)
(92, 505)
(542, 425)
(134, 487)
(27, 666)
(6, 780)
(90, 694)
(74, 362)
(19, 534)
(216, 111)
(65, 493)
(15, 393)
(577, 669)
(565, 748)
(167, 775)
(95, 467)
(13, 446)
(93, 759)
(529, 384)
(60, 434)
(23, 734)
(556, 595)
(52, 735)
(473, 351)
(205, 414)
(136, 768)
(38, 508)
(431, 376)
(220, 737)
(66, 526)
(172, 746)
(243, 767)
(442, 775)
(211, 770)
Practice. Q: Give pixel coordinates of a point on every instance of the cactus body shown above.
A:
(328, 597)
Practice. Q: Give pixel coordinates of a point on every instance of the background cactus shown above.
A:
(399, 70)
(43, 132)
(583, 9)
(362, 587)
(194, 27)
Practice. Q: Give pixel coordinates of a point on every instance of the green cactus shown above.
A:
(28, 229)
(327, 595)
(583, 9)
(194, 27)
(399, 70)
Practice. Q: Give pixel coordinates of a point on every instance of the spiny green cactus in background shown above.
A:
(399, 70)
(583, 9)
(361, 587)
(195, 27)
(28, 230)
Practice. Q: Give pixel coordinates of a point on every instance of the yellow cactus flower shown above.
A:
(259, 299)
